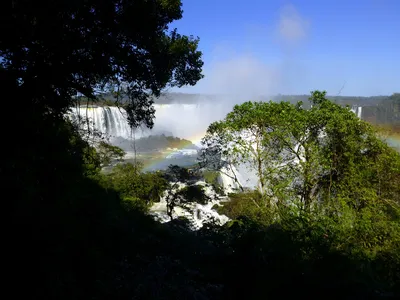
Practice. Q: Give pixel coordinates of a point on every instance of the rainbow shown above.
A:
(394, 141)
(163, 161)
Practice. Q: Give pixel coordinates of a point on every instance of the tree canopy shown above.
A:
(52, 52)
(312, 156)
(59, 49)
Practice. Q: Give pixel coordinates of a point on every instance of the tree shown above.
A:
(256, 135)
(86, 47)
(74, 48)
(315, 156)
(140, 189)
(109, 152)
(50, 54)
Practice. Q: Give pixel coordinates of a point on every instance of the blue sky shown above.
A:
(292, 47)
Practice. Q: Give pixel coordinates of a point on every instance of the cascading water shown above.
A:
(108, 120)
(182, 120)
(188, 121)
(195, 213)
(357, 110)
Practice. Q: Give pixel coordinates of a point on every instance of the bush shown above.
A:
(211, 177)
(297, 257)
(248, 205)
(139, 189)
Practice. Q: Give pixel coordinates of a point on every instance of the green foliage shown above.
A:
(86, 240)
(109, 152)
(71, 235)
(99, 47)
(91, 161)
(249, 205)
(318, 156)
(299, 252)
(140, 189)
(193, 194)
(330, 197)
(75, 238)
(211, 178)
(96, 157)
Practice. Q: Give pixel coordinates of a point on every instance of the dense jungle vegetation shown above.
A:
(324, 225)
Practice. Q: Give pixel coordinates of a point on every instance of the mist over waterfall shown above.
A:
(183, 120)
(188, 121)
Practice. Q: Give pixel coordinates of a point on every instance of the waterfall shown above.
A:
(197, 214)
(357, 110)
(108, 120)
(188, 121)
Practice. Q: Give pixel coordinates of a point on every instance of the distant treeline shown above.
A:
(342, 100)
(386, 111)
(376, 109)
(168, 98)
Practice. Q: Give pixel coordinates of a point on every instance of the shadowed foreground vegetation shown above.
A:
(84, 234)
